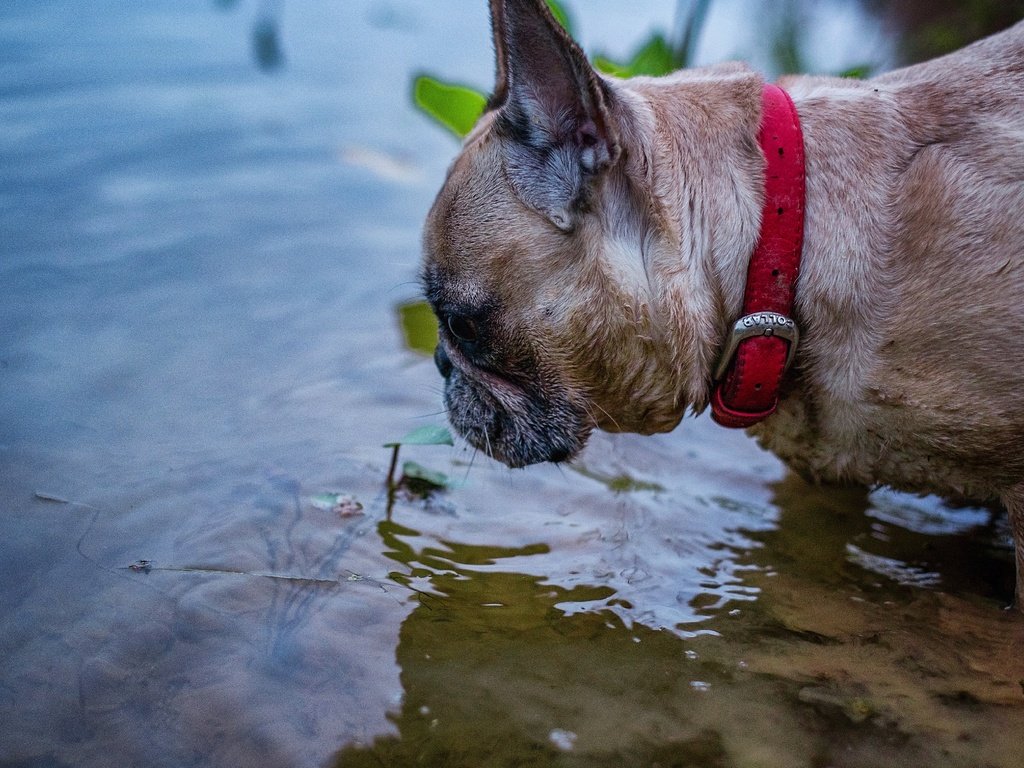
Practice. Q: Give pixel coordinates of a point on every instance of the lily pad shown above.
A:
(431, 434)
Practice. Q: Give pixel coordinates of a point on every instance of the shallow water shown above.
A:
(201, 261)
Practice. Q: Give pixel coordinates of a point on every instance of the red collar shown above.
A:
(762, 343)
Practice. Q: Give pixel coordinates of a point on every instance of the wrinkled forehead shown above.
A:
(483, 245)
(474, 204)
(477, 228)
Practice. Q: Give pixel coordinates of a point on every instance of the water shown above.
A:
(203, 246)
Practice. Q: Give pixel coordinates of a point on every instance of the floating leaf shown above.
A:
(419, 326)
(431, 434)
(323, 500)
(456, 107)
(622, 483)
(339, 503)
(414, 471)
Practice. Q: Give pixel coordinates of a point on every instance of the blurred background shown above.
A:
(210, 214)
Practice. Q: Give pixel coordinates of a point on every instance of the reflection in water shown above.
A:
(836, 663)
(913, 676)
(495, 673)
(830, 535)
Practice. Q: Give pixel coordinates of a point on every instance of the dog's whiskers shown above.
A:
(487, 440)
(610, 417)
(433, 414)
(472, 461)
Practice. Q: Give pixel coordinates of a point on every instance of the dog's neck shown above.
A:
(697, 238)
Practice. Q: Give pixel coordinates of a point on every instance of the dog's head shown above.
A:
(538, 262)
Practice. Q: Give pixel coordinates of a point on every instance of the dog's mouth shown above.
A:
(514, 422)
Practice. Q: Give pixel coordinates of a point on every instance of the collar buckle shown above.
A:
(758, 324)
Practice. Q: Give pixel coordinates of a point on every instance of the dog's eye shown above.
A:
(462, 329)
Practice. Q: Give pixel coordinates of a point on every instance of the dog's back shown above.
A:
(914, 283)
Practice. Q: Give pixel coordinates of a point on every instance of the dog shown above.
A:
(589, 255)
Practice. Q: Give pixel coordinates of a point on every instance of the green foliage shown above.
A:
(415, 477)
(456, 107)
(423, 479)
(859, 72)
(655, 57)
(431, 434)
(419, 326)
(660, 55)
(561, 15)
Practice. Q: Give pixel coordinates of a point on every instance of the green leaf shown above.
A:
(858, 72)
(431, 434)
(412, 470)
(609, 67)
(419, 326)
(561, 15)
(456, 107)
(655, 58)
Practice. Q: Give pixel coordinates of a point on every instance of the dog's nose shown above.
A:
(444, 365)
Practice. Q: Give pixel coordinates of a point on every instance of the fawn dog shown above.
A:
(591, 252)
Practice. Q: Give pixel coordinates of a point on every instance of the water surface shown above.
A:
(210, 211)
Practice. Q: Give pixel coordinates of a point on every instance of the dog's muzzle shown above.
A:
(510, 424)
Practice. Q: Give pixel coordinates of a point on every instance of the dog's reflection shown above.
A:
(496, 673)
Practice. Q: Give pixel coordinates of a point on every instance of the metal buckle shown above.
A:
(758, 324)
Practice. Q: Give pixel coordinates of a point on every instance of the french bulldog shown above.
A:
(588, 253)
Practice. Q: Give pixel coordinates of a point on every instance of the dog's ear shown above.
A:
(553, 111)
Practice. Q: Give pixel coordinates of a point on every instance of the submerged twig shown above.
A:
(145, 566)
(44, 496)
(391, 485)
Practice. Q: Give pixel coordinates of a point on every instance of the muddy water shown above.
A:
(205, 237)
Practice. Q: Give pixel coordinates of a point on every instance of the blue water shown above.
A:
(203, 240)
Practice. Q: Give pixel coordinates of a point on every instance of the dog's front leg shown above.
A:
(1014, 502)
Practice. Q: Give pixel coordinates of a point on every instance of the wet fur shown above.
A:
(597, 232)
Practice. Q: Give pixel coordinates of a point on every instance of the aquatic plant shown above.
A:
(411, 471)
(456, 107)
